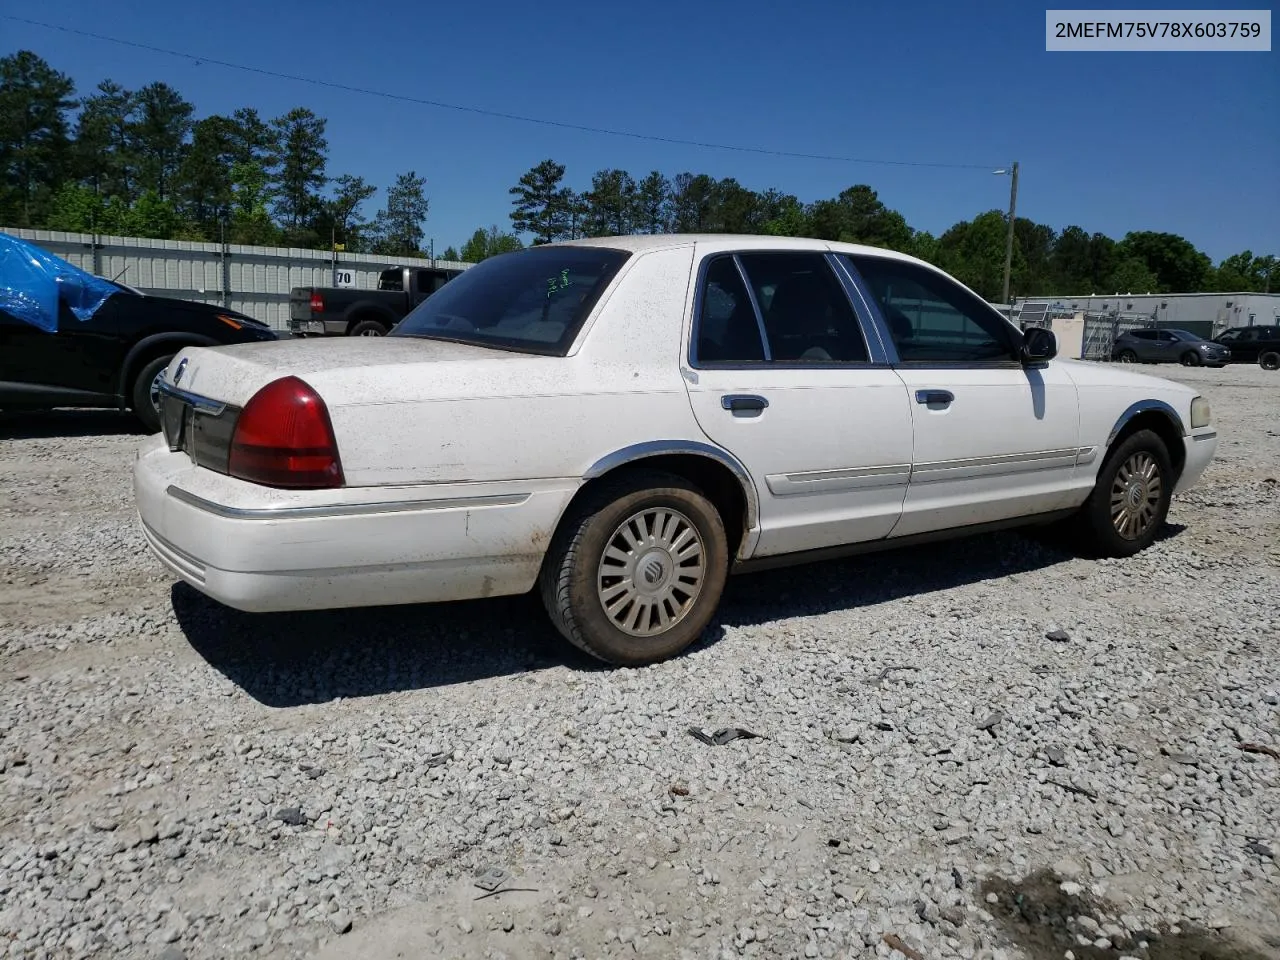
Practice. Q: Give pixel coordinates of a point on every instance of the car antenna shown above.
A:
(120, 274)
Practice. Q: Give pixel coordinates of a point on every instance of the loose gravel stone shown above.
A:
(339, 922)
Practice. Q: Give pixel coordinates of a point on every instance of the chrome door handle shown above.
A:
(743, 403)
(943, 397)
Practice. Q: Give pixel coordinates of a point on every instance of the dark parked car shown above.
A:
(1168, 346)
(113, 358)
(1259, 345)
(347, 312)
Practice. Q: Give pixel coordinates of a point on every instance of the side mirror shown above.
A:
(1038, 345)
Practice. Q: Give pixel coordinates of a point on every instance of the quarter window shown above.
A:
(932, 319)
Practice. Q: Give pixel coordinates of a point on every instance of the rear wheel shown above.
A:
(1190, 359)
(1269, 360)
(145, 395)
(635, 572)
(1130, 499)
(1128, 356)
(368, 328)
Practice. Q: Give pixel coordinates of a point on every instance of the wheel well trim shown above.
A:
(661, 448)
(144, 346)
(1146, 406)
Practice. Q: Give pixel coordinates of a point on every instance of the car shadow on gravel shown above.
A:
(289, 659)
(888, 575)
(57, 424)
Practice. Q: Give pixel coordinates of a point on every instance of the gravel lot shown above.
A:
(180, 780)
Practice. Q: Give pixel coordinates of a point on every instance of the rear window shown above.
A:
(533, 300)
(391, 280)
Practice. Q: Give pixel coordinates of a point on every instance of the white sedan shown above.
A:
(622, 422)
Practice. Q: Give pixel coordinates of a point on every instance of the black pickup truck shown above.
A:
(348, 312)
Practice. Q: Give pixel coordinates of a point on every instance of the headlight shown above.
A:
(1200, 414)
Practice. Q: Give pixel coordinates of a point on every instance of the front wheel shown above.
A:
(145, 395)
(1130, 499)
(1269, 360)
(1190, 359)
(635, 573)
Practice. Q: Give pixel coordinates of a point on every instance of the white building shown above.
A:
(1206, 314)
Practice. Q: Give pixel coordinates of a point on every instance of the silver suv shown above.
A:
(1168, 346)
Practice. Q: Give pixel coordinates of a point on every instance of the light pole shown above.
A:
(1013, 205)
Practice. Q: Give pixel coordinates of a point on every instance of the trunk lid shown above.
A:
(344, 369)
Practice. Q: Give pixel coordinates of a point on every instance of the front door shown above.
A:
(780, 372)
(993, 439)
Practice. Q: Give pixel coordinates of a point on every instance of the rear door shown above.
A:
(781, 371)
(81, 360)
(1246, 346)
(1145, 344)
(994, 440)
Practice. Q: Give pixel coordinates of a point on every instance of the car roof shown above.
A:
(643, 243)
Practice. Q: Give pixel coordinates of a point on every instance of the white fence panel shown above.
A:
(257, 279)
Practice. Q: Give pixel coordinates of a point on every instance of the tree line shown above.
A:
(139, 163)
(1045, 261)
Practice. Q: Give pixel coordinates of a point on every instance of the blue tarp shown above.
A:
(32, 282)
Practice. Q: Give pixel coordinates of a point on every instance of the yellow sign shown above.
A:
(339, 247)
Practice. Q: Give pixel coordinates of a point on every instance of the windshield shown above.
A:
(1184, 335)
(534, 300)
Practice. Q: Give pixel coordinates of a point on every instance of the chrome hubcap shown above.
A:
(370, 333)
(1135, 495)
(155, 391)
(652, 572)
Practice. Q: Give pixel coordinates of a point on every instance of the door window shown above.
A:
(728, 329)
(794, 312)
(932, 319)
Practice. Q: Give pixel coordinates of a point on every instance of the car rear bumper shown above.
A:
(260, 549)
(329, 328)
(1200, 447)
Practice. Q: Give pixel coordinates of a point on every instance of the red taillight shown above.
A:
(283, 438)
(317, 303)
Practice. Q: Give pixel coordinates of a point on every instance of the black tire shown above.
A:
(140, 394)
(571, 577)
(1101, 526)
(1127, 356)
(368, 328)
(1190, 359)
(1269, 360)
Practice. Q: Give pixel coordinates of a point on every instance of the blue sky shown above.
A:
(1186, 143)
